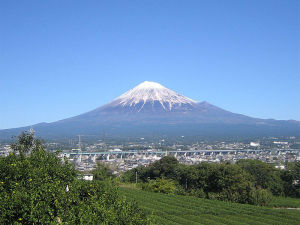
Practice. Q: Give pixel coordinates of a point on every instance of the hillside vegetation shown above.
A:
(248, 181)
(176, 209)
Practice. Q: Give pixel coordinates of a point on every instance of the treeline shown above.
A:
(37, 187)
(247, 181)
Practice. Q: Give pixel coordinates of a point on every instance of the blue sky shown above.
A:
(62, 58)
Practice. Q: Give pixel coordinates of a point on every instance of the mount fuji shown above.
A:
(151, 107)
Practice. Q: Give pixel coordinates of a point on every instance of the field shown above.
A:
(176, 209)
(286, 202)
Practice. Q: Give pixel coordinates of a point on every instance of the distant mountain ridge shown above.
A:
(151, 107)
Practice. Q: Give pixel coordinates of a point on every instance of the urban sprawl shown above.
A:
(122, 157)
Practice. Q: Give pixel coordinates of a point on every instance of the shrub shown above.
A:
(261, 197)
(102, 172)
(160, 185)
(37, 187)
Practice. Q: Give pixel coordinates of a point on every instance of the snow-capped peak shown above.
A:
(149, 85)
(149, 92)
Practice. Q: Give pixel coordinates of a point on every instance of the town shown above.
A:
(125, 155)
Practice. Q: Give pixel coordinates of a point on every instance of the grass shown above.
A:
(176, 209)
(285, 202)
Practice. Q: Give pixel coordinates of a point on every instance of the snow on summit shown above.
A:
(149, 85)
(149, 92)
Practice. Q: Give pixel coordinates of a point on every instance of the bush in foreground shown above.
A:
(37, 187)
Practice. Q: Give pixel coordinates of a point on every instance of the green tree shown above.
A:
(160, 185)
(37, 187)
(265, 175)
(224, 182)
(167, 167)
(27, 143)
(102, 172)
(261, 197)
(291, 179)
(211, 180)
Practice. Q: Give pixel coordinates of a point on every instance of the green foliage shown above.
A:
(261, 197)
(102, 172)
(160, 186)
(197, 193)
(37, 187)
(167, 167)
(264, 175)
(186, 210)
(291, 179)
(223, 181)
(98, 202)
(215, 181)
(26, 144)
(285, 202)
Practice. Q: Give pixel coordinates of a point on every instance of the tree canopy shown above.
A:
(247, 181)
(37, 187)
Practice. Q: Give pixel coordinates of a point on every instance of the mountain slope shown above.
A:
(151, 107)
